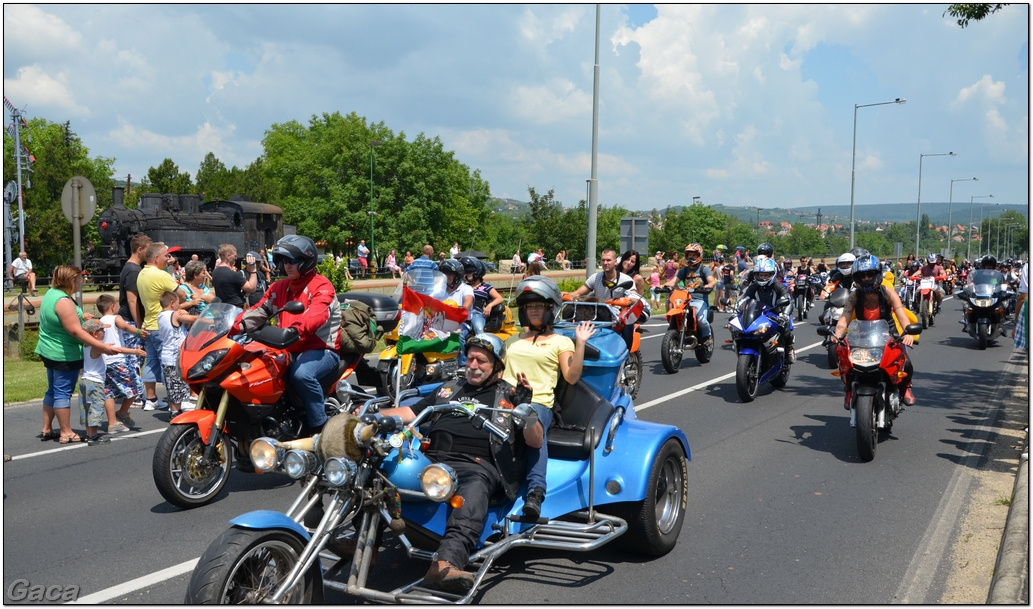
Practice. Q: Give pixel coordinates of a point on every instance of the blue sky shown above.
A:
(739, 104)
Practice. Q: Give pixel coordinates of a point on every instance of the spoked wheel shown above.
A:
(867, 430)
(655, 522)
(801, 307)
(670, 353)
(246, 566)
(705, 350)
(184, 477)
(926, 316)
(631, 373)
(747, 378)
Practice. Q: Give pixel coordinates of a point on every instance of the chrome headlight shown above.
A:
(438, 482)
(265, 455)
(300, 463)
(338, 471)
(866, 357)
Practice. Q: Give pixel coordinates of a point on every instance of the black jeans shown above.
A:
(479, 482)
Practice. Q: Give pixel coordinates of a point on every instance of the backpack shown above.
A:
(359, 330)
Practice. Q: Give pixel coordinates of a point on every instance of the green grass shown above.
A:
(1006, 501)
(23, 380)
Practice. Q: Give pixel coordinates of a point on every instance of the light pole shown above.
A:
(950, 207)
(853, 160)
(918, 221)
(1007, 238)
(968, 253)
(981, 235)
(371, 212)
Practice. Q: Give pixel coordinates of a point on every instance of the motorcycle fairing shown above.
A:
(200, 417)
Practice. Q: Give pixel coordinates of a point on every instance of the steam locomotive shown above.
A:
(187, 221)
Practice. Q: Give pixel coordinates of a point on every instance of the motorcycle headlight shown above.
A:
(761, 328)
(865, 357)
(265, 455)
(438, 482)
(338, 471)
(206, 364)
(983, 302)
(300, 463)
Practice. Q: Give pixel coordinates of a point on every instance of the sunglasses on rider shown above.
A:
(286, 260)
(535, 306)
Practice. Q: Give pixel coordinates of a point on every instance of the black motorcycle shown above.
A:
(986, 297)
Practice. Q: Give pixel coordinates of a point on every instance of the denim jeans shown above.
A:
(60, 387)
(306, 368)
(701, 307)
(538, 458)
(152, 365)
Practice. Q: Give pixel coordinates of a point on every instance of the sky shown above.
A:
(740, 105)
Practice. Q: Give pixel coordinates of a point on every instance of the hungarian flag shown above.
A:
(428, 324)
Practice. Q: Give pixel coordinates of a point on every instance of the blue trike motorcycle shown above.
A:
(760, 359)
(611, 477)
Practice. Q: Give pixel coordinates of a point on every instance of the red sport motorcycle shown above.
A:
(242, 395)
(871, 365)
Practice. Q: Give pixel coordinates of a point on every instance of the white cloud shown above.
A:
(556, 101)
(33, 88)
(28, 26)
(984, 90)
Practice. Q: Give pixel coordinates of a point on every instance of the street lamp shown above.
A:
(981, 239)
(968, 252)
(950, 207)
(918, 221)
(853, 160)
(1007, 235)
(371, 213)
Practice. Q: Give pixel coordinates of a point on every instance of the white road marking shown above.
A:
(78, 445)
(136, 584)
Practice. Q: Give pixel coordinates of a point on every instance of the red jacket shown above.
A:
(318, 325)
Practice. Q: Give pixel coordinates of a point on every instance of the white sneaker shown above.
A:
(187, 406)
(155, 405)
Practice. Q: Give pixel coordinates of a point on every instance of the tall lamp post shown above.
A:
(1007, 235)
(968, 253)
(950, 208)
(853, 159)
(371, 212)
(981, 235)
(918, 221)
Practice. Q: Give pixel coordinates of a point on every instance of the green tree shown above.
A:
(166, 178)
(214, 181)
(60, 155)
(972, 12)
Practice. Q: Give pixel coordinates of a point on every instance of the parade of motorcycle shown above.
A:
(427, 424)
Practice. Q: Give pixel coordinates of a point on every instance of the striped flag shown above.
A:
(428, 324)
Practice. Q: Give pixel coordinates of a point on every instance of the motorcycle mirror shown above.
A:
(725, 302)
(783, 302)
(839, 297)
(913, 329)
(625, 285)
(294, 307)
(824, 331)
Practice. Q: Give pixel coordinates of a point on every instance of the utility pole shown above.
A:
(20, 153)
(818, 223)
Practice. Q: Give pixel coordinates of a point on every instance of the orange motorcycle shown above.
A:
(683, 329)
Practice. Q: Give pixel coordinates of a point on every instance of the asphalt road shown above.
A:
(781, 509)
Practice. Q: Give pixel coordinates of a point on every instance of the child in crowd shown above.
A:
(654, 284)
(171, 322)
(95, 406)
(121, 378)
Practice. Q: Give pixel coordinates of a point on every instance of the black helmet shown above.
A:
(295, 247)
(766, 249)
(858, 252)
(988, 262)
(473, 266)
(453, 266)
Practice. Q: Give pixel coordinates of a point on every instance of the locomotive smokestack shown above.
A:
(117, 195)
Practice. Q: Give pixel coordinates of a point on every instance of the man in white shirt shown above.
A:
(21, 269)
(453, 252)
(534, 256)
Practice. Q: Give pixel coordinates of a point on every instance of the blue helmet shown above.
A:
(866, 272)
(767, 267)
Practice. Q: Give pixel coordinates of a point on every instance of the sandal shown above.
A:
(47, 436)
(73, 439)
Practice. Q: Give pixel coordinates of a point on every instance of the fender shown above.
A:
(865, 390)
(202, 418)
(270, 519)
(749, 350)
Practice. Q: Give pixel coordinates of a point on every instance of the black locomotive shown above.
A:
(196, 226)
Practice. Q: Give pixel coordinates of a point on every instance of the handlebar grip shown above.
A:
(495, 430)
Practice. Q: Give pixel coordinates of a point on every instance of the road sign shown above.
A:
(82, 188)
(635, 235)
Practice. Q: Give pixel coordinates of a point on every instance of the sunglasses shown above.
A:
(535, 306)
(294, 261)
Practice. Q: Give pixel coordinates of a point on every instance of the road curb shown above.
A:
(1010, 583)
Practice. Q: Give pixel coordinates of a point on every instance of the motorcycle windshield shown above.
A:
(868, 334)
(213, 324)
(425, 281)
(984, 282)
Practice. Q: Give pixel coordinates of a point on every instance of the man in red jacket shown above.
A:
(318, 326)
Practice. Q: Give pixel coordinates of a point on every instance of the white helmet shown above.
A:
(845, 264)
(767, 268)
(932, 258)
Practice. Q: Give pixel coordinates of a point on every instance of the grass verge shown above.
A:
(23, 380)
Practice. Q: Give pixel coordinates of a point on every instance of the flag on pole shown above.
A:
(428, 324)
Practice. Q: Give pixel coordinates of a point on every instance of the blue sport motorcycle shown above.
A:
(761, 359)
(611, 477)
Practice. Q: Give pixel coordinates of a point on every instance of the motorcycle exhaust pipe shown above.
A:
(690, 342)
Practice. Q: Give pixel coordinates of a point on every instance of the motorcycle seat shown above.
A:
(578, 409)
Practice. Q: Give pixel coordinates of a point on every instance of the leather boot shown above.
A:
(447, 577)
(533, 503)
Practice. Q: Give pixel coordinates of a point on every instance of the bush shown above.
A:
(569, 284)
(27, 348)
(336, 274)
